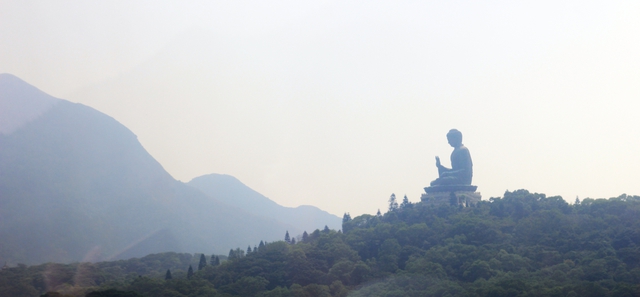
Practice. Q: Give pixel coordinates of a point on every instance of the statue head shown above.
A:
(454, 137)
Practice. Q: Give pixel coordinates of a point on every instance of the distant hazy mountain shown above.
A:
(230, 190)
(77, 185)
(21, 103)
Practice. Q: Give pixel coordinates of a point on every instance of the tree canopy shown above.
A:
(521, 244)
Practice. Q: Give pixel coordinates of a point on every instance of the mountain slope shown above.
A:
(77, 185)
(230, 190)
(20, 103)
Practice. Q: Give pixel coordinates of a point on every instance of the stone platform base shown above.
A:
(464, 198)
(451, 188)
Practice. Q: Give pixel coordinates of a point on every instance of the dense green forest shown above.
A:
(522, 244)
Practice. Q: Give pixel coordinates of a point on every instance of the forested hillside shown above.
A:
(522, 244)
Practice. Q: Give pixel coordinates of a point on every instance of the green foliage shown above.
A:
(405, 202)
(53, 294)
(203, 262)
(190, 272)
(346, 217)
(236, 254)
(113, 293)
(393, 203)
(524, 244)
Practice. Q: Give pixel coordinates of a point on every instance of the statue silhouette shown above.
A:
(461, 170)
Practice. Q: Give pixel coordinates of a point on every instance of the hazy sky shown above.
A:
(338, 104)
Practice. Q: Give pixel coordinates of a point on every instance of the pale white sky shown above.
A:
(338, 104)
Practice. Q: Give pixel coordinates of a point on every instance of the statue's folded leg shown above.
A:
(447, 180)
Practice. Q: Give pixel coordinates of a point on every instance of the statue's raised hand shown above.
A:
(438, 162)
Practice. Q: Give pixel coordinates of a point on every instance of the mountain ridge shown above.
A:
(13, 112)
(232, 191)
(77, 185)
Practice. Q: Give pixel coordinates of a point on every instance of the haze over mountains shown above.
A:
(233, 192)
(77, 185)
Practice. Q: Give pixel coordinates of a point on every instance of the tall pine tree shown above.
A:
(203, 262)
(405, 202)
(393, 204)
(190, 272)
(286, 237)
(168, 275)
